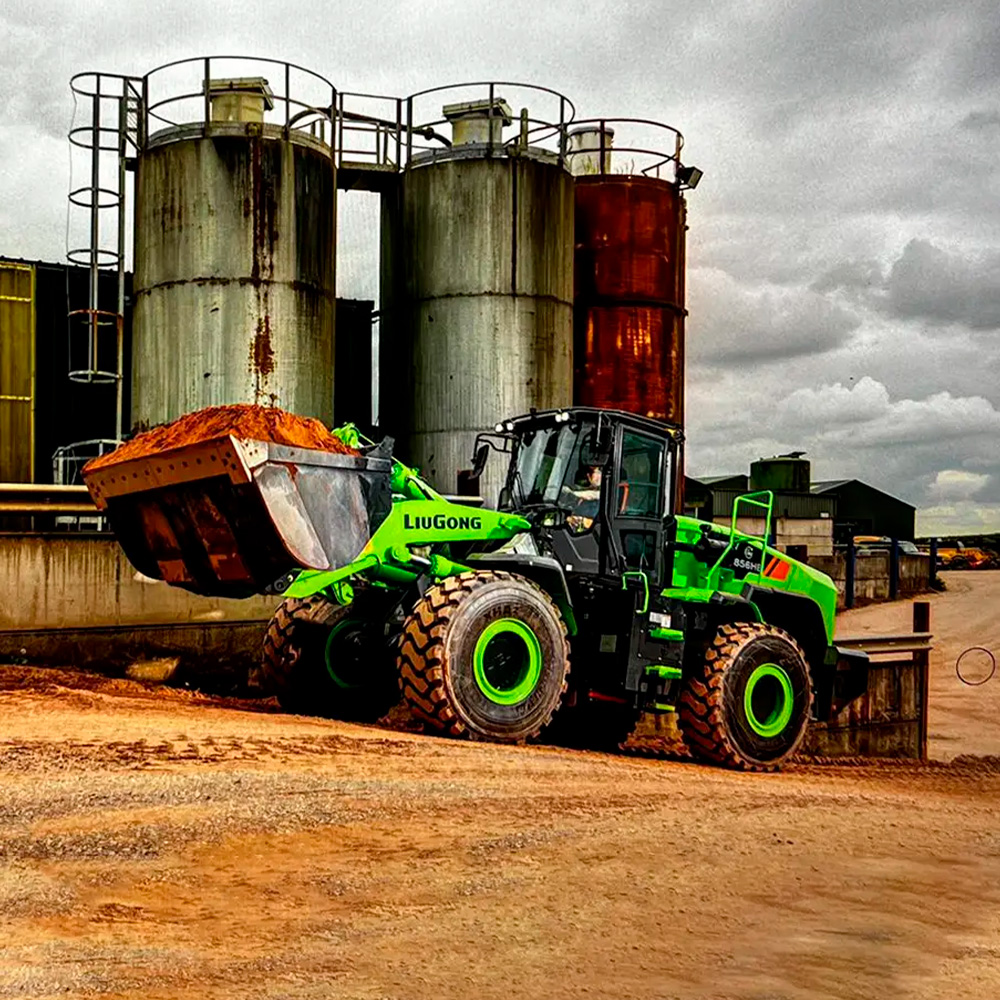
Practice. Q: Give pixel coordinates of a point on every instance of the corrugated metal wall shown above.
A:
(17, 372)
(67, 411)
(785, 504)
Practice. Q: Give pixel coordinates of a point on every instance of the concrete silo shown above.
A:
(235, 235)
(477, 287)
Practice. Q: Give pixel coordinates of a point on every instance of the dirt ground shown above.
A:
(159, 844)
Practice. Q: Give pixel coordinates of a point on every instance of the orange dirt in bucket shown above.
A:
(241, 420)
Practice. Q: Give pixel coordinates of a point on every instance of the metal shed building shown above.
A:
(864, 510)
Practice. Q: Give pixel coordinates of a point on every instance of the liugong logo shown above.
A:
(442, 521)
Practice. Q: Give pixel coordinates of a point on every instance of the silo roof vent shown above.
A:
(240, 99)
(588, 144)
(478, 121)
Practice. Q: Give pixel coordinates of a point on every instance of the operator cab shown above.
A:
(601, 481)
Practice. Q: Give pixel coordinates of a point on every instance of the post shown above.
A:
(489, 126)
(208, 96)
(894, 569)
(849, 558)
(95, 231)
(288, 100)
(409, 130)
(921, 660)
(120, 307)
(932, 569)
(562, 130)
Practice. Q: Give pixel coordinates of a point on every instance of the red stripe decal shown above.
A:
(778, 572)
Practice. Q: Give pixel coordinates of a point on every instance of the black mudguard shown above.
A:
(543, 570)
(845, 678)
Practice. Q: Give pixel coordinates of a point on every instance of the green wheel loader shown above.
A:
(583, 601)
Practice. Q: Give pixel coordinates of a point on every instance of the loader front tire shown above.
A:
(749, 705)
(484, 654)
(318, 659)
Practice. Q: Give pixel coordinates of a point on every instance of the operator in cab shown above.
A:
(585, 496)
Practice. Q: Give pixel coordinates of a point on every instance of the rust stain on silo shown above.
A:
(263, 207)
(629, 300)
(261, 352)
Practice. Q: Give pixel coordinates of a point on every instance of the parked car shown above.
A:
(881, 543)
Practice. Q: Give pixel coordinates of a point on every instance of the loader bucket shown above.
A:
(230, 517)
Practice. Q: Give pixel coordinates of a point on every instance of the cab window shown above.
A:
(641, 477)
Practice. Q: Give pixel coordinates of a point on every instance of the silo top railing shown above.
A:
(370, 130)
(178, 94)
(540, 120)
(650, 148)
(378, 131)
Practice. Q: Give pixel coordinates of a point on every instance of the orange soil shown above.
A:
(241, 420)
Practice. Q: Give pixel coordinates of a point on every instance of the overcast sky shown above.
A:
(844, 244)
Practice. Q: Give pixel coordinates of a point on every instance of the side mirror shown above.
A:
(603, 441)
(468, 479)
(503, 501)
(480, 459)
(597, 444)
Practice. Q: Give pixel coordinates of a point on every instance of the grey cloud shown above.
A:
(932, 284)
(850, 275)
(981, 120)
(732, 323)
(974, 67)
(924, 283)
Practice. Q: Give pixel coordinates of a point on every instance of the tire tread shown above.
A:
(700, 709)
(421, 651)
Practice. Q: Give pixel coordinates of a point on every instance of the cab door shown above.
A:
(635, 504)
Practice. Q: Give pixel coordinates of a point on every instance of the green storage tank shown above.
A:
(781, 474)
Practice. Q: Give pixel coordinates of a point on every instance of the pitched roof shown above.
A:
(708, 480)
(825, 485)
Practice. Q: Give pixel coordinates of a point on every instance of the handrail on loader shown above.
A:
(737, 536)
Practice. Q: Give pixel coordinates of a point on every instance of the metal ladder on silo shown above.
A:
(110, 137)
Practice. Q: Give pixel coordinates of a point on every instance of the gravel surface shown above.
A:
(159, 844)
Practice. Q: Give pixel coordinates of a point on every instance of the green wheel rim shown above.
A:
(507, 661)
(768, 700)
(344, 683)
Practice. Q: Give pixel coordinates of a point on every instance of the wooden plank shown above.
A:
(886, 739)
(877, 644)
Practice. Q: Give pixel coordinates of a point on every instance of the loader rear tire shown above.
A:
(749, 705)
(484, 655)
(319, 660)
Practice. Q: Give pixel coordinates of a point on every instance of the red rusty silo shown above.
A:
(629, 274)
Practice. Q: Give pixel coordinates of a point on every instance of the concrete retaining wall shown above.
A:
(871, 575)
(84, 581)
(75, 600)
(214, 656)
